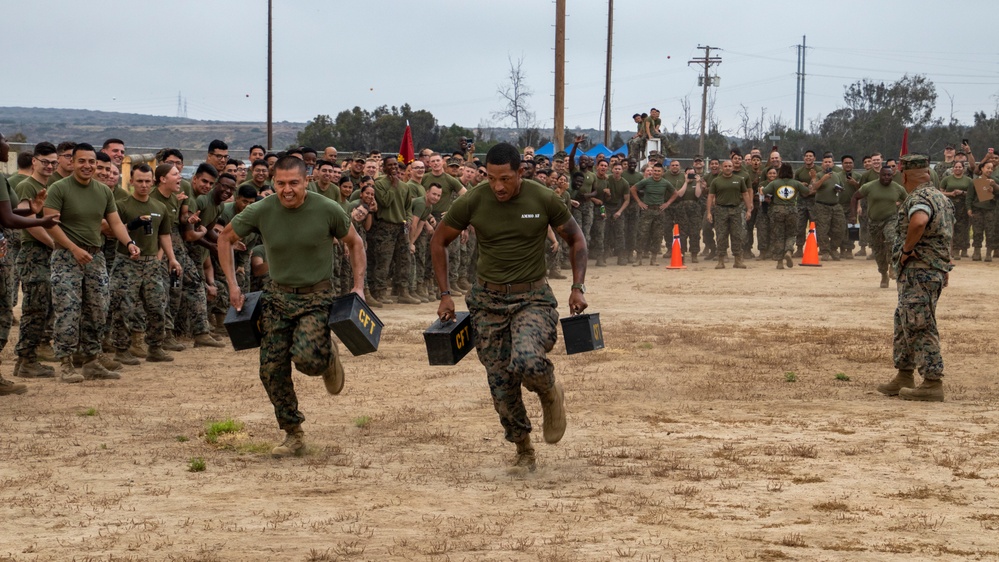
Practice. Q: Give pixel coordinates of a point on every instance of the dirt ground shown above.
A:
(732, 416)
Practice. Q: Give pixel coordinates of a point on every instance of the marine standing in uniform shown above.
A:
(883, 196)
(298, 229)
(921, 255)
(514, 313)
(782, 196)
(12, 215)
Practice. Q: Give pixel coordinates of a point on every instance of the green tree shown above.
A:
(318, 133)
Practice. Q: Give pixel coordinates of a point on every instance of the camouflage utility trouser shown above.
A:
(139, 301)
(707, 229)
(295, 328)
(14, 243)
(189, 312)
(388, 254)
(865, 225)
(513, 333)
(730, 222)
(36, 308)
(983, 226)
(882, 240)
(79, 303)
(688, 215)
(962, 225)
(806, 214)
(830, 226)
(595, 245)
(6, 301)
(651, 223)
(917, 342)
(783, 229)
(614, 234)
(631, 228)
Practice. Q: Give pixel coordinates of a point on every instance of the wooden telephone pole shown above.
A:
(607, 85)
(559, 132)
(706, 80)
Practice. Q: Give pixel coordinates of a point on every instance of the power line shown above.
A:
(708, 61)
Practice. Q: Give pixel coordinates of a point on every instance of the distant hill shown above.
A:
(191, 135)
(145, 131)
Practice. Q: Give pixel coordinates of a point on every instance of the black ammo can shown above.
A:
(355, 324)
(582, 333)
(447, 343)
(244, 326)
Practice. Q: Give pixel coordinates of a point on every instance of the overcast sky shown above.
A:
(449, 56)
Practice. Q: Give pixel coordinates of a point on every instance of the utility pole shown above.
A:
(802, 102)
(607, 85)
(799, 99)
(706, 80)
(270, 75)
(797, 91)
(559, 132)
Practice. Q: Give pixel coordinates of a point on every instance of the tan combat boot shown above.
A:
(157, 355)
(404, 296)
(788, 260)
(652, 258)
(93, 369)
(693, 256)
(334, 375)
(738, 262)
(67, 372)
(126, 358)
(977, 255)
(988, 254)
(555, 274)
(553, 409)
(385, 297)
(464, 285)
(884, 280)
(10, 387)
(206, 340)
(371, 300)
(721, 261)
(902, 380)
(171, 344)
(292, 445)
(138, 347)
(32, 369)
(780, 264)
(220, 330)
(525, 455)
(930, 391)
(108, 362)
(45, 353)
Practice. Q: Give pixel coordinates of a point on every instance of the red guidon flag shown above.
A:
(406, 148)
(905, 143)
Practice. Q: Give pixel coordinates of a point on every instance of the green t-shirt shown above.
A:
(129, 209)
(298, 242)
(952, 183)
(27, 190)
(16, 179)
(784, 191)
(332, 192)
(826, 194)
(81, 208)
(450, 188)
(653, 192)
(7, 192)
(676, 180)
(172, 206)
(393, 200)
(510, 235)
(420, 208)
(56, 176)
(632, 177)
(416, 189)
(619, 189)
(728, 191)
(881, 199)
(802, 174)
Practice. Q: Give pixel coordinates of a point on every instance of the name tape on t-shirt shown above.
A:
(531, 216)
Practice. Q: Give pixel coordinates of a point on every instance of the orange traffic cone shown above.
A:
(810, 256)
(676, 254)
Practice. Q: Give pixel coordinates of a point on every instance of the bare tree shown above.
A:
(515, 94)
(686, 117)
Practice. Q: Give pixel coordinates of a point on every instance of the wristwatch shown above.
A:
(580, 286)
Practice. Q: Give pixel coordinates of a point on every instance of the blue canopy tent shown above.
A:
(599, 149)
(546, 150)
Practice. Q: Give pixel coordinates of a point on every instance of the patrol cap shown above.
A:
(915, 161)
(538, 159)
(359, 156)
(949, 147)
(561, 154)
(453, 162)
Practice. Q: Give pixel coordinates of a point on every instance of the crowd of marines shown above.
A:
(151, 250)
